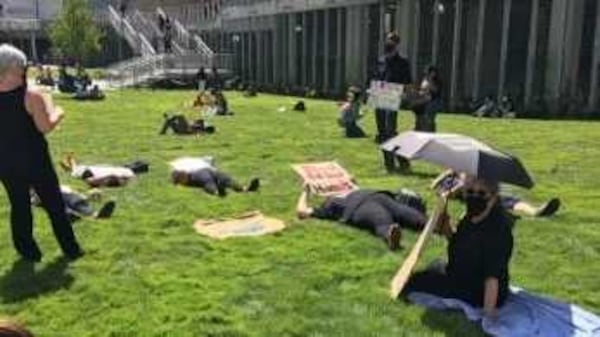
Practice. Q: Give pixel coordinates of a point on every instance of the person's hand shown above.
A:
(307, 188)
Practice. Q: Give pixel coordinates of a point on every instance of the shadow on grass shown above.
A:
(452, 324)
(22, 282)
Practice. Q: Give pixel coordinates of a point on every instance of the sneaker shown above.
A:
(107, 210)
(393, 237)
(254, 185)
(549, 208)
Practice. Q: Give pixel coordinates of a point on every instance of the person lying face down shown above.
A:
(451, 181)
(212, 181)
(376, 211)
(78, 205)
(479, 252)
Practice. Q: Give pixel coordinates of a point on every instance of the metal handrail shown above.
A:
(135, 39)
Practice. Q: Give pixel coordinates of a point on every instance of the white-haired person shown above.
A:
(27, 115)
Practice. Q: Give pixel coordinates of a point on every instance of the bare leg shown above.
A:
(525, 208)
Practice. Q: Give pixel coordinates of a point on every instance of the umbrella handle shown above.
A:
(402, 275)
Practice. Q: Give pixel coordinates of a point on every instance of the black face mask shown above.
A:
(475, 205)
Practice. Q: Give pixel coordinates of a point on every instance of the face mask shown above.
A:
(475, 205)
(389, 48)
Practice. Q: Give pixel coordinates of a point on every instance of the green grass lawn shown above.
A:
(148, 274)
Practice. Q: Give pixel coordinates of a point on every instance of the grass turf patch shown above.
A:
(148, 274)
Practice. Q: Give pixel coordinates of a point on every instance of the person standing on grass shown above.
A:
(26, 116)
(391, 68)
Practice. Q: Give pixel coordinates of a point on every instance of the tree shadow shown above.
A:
(452, 324)
(22, 282)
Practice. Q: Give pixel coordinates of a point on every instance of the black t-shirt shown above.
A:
(480, 251)
(394, 69)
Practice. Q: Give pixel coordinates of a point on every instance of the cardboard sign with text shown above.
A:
(384, 95)
(326, 178)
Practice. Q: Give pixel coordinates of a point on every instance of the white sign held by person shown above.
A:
(384, 95)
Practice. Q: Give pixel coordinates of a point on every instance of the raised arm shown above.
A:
(303, 210)
(46, 115)
(438, 180)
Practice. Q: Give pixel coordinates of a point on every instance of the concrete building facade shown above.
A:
(545, 54)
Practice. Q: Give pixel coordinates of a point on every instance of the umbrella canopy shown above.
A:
(461, 154)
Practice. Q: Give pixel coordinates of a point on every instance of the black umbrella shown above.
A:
(461, 154)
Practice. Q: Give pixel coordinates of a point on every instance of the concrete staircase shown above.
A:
(151, 64)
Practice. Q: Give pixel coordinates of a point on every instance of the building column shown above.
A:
(244, 57)
(479, 47)
(564, 46)
(593, 98)
(259, 56)
(532, 52)
(338, 57)
(504, 47)
(382, 31)
(304, 50)
(326, 50)
(275, 51)
(404, 20)
(292, 39)
(313, 57)
(456, 42)
(415, 41)
(436, 34)
(353, 30)
(34, 54)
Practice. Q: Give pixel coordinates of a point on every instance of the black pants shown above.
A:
(217, 183)
(352, 130)
(434, 280)
(387, 128)
(76, 205)
(387, 124)
(45, 184)
(380, 211)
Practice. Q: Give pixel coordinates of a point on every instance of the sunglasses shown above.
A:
(477, 193)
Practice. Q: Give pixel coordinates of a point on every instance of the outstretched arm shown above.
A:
(303, 210)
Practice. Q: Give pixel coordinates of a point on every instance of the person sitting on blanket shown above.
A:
(376, 211)
(449, 180)
(103, 175)
(78, 205)
(479, 252)
(350, 114)
(211, 180)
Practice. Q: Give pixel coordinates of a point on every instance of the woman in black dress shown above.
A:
(479, 252)
(26, 116)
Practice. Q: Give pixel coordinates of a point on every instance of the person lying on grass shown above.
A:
(78, 205)
(100, 175)
(380, 212)
(479, 252)
(203, 105)
(450, 179)
(211, 180)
